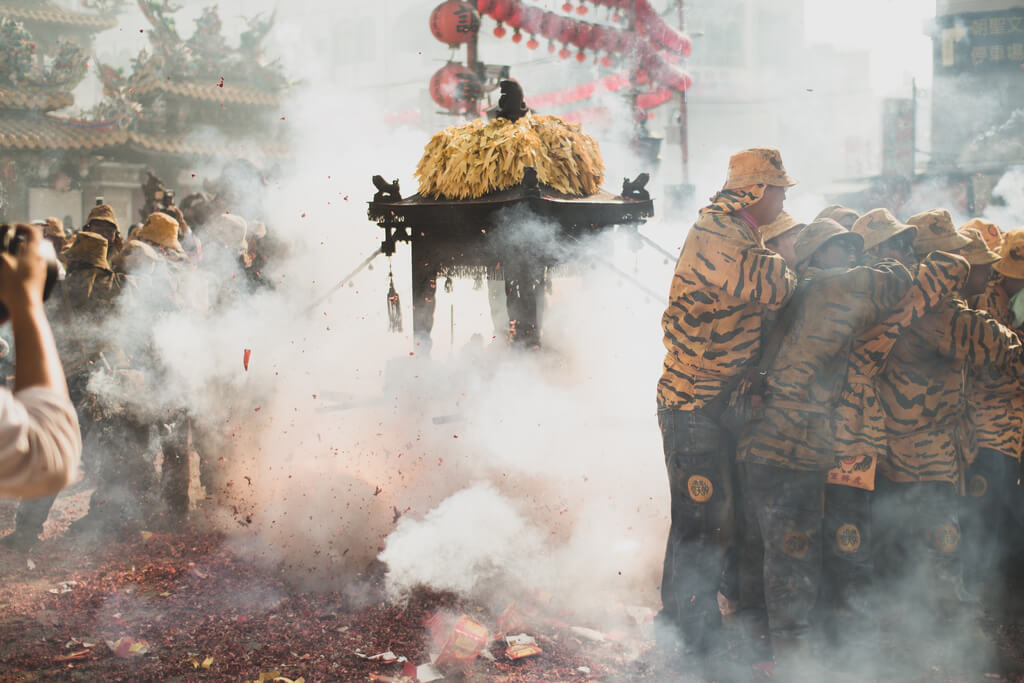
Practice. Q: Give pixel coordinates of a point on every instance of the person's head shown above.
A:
(103, 222)
(885, 237)
(87, 250)
(161, 230)
(981, 259)
(936, 232)
(825, 244)
(990, 232)
(760, 166)
(137, 258)
(840, 214)
(780, 236)
(1011, 264)
(228, 231)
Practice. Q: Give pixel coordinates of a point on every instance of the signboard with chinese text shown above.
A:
(980, 41)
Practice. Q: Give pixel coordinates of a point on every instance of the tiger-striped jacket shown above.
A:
(809, 370)
(859, 418)
(724, 281)
(996, 402)
(922, 390)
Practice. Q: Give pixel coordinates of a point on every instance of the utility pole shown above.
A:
(684, 144)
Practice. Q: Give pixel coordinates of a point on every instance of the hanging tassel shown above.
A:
(394, 305)
(478, 282)
(448, 285)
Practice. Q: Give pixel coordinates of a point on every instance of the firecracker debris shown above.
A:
(182, 607)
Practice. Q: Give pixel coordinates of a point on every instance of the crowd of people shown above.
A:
(118, 284)
(842, 417)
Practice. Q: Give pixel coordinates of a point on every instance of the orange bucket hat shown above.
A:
(1012, 262)
(977, 252)
(879, 225)
(936, 232)
(88, 249)
(840, 214)
(756, 166)
(990, 232)
(162, 230)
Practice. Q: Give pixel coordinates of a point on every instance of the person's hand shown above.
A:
(23, 277)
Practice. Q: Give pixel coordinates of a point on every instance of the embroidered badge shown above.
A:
(700, 488)
(977, 486)
(848, 538)
(947, 538)
(795, 544)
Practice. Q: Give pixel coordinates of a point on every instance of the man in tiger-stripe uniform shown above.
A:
(996, 405)
(859, 424)
(724, 282)
(930, 442)
(784, 455)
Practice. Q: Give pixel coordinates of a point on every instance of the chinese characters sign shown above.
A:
(986, 41)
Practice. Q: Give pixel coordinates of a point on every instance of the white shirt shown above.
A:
(40, 442)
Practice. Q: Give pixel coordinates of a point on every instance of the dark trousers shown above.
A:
(780, 555)
(847, 563)
(985, 515)
(699, 457)
(917, 545)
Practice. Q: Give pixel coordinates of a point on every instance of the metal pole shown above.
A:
(344, 281)
(684, 143)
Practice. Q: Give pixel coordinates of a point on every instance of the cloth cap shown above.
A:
(840, 214)
(88, 249)
(103, 212)
(759, 165)
(977, 252)
(227, 230)
(936, 232)
(52, 227)
(879, 225)
(136, 256)
(160, 229)
(990, 232)
(780, 226)
(817, 233)
(1012, 262)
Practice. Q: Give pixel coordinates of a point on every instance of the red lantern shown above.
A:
(515, 14)
(499, 31)
(566, 31)
(567, 7)
(532, 43)
(533, 18)
(581, 10)
(582, 35)
(501, 10)
(484, 6)
(596, 39)
(517, 37)
(550, 25)
(564, 52)
(455, 87)
(454, 22)
(581, 56)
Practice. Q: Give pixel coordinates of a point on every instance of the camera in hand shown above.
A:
(11, 239)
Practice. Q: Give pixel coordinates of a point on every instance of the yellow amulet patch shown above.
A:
(977, 486)
(700, 488)
(947, 538)
(848, 538)
(795, 544)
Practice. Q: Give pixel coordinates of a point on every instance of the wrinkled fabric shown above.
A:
(724, 281)
(699, 462)
(922, 390)
(996, 402)
(859, 418)
(807, 374)
(40, 443)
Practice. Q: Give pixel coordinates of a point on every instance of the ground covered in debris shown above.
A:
(181, 607)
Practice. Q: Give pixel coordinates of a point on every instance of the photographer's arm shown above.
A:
(40, 443)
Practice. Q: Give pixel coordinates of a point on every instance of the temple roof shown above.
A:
(227, 93)
(44, 12)
(38, 132)
(43, 132)
(27, 97)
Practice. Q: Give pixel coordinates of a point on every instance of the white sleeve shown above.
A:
(40, 442)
